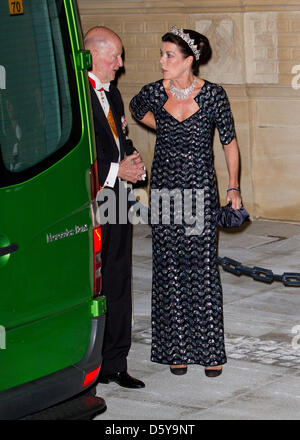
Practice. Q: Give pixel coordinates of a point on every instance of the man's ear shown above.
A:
(94, 53)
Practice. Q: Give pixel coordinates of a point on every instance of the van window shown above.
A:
(38, 110)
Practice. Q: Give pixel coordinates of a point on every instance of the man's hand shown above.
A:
(132, 168)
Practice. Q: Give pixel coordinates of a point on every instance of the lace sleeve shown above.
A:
(223, 117)
(140, 104)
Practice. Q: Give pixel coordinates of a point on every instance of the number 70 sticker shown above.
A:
(15, 7)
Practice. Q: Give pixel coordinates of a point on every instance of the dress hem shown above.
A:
(190, 363)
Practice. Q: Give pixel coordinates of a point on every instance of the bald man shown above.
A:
(118, 163)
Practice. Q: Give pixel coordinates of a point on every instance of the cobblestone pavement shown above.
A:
(261, 379)
(270, 352)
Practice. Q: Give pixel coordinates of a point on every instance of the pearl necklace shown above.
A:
(182, 93)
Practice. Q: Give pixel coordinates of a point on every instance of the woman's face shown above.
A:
(173, 63)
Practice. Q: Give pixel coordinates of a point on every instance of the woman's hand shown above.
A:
(234, 197)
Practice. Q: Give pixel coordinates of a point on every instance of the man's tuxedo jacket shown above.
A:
(106, 147)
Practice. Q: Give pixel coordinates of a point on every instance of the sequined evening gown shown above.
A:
(187, 305)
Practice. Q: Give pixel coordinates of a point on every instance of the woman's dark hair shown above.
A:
(202, 44)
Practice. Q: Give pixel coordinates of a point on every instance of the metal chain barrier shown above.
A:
(289, 279)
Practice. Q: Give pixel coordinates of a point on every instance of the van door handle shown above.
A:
(8, 249)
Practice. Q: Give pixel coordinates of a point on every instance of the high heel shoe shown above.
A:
(179, 371)
(213, 372)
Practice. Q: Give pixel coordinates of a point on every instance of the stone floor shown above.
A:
(261, 380)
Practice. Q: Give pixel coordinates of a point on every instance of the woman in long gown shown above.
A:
(187, 305)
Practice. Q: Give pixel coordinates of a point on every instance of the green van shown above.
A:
(52, 314)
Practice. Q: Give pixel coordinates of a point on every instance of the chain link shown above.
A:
(259, 273)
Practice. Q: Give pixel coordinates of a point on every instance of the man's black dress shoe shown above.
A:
(123, 379)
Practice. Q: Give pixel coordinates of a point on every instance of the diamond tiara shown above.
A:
(186, 37)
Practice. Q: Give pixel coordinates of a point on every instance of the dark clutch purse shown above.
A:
(227, 217)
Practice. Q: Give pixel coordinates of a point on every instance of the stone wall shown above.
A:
(256, 57)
